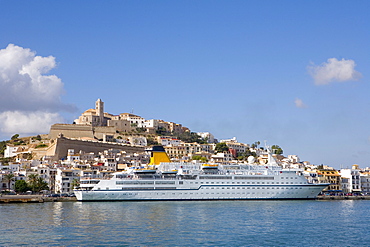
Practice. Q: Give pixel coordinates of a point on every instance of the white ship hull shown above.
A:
(217, 189)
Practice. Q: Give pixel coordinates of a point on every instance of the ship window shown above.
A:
(282, 177)
(181, 182)
(291, 177)
(258, 182)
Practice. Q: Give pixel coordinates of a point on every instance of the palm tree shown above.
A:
(75, 183)
(32, 180)
(9, 178)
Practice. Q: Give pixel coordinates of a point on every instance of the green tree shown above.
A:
(2, 147)
(21, 186)
(140, 130)
(15, 137)
(9, 178)
(190, 137)
(32, 181)
(75, 183)
(36, 183)
(221, 147)
(42, 145)
(276, 149)
(201, 158)
(151, 141)
(255, 144)
(41, 185)
(162, 131)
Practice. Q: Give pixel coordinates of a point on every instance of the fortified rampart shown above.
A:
(59, 148)
(71, 131)
(80, 131)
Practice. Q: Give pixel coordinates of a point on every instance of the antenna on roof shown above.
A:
(132, 111)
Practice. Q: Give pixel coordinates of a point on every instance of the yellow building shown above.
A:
(329, 176)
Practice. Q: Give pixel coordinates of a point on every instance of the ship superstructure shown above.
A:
(165, 180)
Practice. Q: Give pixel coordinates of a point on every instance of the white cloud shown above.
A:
(23, 83)
(30, 99)
(299, 103)
(27, 122)
(334, 70)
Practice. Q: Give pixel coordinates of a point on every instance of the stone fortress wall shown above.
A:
(71, 131)
(59, 149)
(80, 131)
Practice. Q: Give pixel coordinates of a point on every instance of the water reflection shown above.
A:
(207, 223)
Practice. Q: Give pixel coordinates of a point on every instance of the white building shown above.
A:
(350, 178)
(10, 151)
(138, 140)
(365, 182)
(64, 179)
(223, 158)
(168, 141)
(207, 136)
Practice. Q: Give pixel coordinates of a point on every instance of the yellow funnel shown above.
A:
(158, 155)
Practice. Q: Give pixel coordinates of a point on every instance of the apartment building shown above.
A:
(351, 182)
(64, 180)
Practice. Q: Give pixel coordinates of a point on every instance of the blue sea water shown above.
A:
(195, 223)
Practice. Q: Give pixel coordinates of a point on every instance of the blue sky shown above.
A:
(293, 73)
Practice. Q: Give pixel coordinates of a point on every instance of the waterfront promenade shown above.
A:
(41, 198)
(33, 199)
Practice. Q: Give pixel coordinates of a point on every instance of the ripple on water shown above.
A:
(209, 223)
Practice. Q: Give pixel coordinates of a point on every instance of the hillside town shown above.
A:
(98, 144)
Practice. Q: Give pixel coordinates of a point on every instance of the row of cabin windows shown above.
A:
(244, 183)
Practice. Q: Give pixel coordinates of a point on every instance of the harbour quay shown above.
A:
(33, 199)
(343, 197)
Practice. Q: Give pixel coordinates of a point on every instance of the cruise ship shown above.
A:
(162, 179)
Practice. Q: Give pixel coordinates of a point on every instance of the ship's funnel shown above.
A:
(158, 155)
